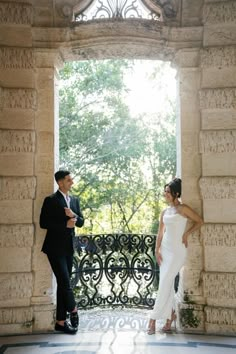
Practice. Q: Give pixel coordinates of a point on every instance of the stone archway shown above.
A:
(36, 39)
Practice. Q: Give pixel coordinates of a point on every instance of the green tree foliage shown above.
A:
(119, 162)
(95, 124)
(161, 157)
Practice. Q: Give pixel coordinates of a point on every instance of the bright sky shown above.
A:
(148, 95)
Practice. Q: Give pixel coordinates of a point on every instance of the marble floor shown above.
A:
(116, 332)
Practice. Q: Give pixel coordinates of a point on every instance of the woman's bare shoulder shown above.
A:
(188, 212)
(162, 213)
(182, 208)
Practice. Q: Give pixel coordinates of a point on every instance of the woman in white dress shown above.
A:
(171, 244)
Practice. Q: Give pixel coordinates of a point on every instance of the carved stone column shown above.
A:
(27, 163)
(46, 162)
(218, 149)
(189, 169)
(18, 102)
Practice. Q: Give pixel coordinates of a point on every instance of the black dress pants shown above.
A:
(62, 269)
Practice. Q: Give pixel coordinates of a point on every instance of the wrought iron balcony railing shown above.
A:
(115, 269)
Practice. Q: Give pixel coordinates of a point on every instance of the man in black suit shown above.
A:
(60, 214)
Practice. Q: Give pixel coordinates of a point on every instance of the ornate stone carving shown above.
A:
(15, 286)
(218, 98)
(218, 141)
(219, 285)
(17, 188)
(222, 235)
(64, 10)
(219, 56)
(16, 315)
(15, 13)
(219, 12)
(17, 58)
(220, 315)
(217, 35)
(111, 50)
(18, 98)
(16, 235)
(218, 187)
(17, 141)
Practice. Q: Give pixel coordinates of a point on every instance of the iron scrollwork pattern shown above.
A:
(115, 269)
(118, 9)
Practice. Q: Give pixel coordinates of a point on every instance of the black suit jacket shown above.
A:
(59, 238)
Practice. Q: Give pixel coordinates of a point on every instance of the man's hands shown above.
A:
(71, 222)
(69, 213)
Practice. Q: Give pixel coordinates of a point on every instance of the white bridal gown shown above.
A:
(173, 253)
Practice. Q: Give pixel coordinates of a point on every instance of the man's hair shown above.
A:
(61, 175)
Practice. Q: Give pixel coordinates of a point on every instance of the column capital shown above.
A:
(48, 58)
(187, 58)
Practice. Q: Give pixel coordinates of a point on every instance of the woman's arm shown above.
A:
(159, 239)
(193, 216)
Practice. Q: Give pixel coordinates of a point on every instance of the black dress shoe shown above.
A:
(74, 319)
(67, 328)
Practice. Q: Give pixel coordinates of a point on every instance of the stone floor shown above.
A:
(113, 332)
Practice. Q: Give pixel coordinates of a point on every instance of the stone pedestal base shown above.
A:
(44, 318)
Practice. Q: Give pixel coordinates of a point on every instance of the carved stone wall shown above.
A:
(36, 37)
(17, 14)
(217, 99)
(219, 23)
(220, 320)
(26, 291)
(17, 58)
(189, 80)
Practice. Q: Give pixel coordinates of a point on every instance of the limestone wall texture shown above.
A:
(26, 173)
(218, 117)
(37, 36)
